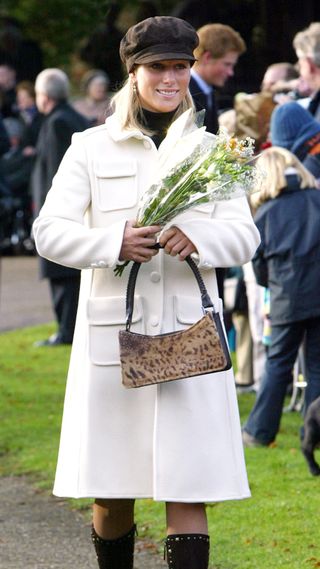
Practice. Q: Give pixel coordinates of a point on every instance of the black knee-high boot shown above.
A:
(114, 553)
(187, 551)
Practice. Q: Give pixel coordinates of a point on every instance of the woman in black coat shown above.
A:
(288, 263)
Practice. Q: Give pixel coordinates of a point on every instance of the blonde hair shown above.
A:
(273, 163)
(219, 39)
(307, 43)
(126, 106)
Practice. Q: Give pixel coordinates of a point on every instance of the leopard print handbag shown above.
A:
(195, 351)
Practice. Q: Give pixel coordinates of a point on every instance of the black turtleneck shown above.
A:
(158, 123)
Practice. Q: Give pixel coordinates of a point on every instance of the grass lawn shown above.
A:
(278, 527)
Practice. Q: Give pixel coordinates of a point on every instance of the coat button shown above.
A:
(154, 320)
(155, 277)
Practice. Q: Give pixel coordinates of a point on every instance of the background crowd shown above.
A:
(268, 302)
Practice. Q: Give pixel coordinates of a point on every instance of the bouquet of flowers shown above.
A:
(217, 168)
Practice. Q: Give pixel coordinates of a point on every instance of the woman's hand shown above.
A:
(175, 242)
(137, 242)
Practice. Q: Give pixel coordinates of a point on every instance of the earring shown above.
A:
(134, 88)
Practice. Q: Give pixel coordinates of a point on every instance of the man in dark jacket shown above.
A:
(60, 122)
(216, 56)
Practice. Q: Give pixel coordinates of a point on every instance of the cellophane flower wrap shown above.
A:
(201, 168)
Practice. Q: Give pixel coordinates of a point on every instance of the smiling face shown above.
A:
(161, 86)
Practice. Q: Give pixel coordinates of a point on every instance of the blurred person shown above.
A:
(6, 206)
(252, 111)
(178, 443)
(29, 114)
(59, 124)
(281, 73)
(16, 168)
(216, 56)
(287, 262)
(256, 317)
(251, 117)
(294, 128)
(284, 82)
(8, 90)
(95, 103)
(243, 341)
(5, 195)
(307, 46)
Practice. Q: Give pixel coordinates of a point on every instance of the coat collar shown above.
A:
(118, 133)
(60, 105)
(175, 131)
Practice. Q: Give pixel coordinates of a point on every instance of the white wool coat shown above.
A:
(175, 442)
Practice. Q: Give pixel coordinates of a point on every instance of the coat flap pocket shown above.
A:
(115, 169)
(111, 310)
(187, 309)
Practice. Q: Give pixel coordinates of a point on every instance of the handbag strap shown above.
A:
(206, 302)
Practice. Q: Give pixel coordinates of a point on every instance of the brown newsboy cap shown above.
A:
(158, 38)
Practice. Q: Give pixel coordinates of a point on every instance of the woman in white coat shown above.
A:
(179, 442)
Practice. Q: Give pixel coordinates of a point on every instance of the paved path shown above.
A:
(38, 531)
(24, 298)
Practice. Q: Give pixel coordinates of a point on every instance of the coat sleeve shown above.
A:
(260, 268)
(226, 237)
(60, 231)
(259, 261)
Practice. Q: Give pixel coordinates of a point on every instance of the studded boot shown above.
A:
(187, 551)
(114, 553)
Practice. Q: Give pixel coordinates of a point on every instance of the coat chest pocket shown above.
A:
(106, 316)
(188, 310)
(117, 186)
